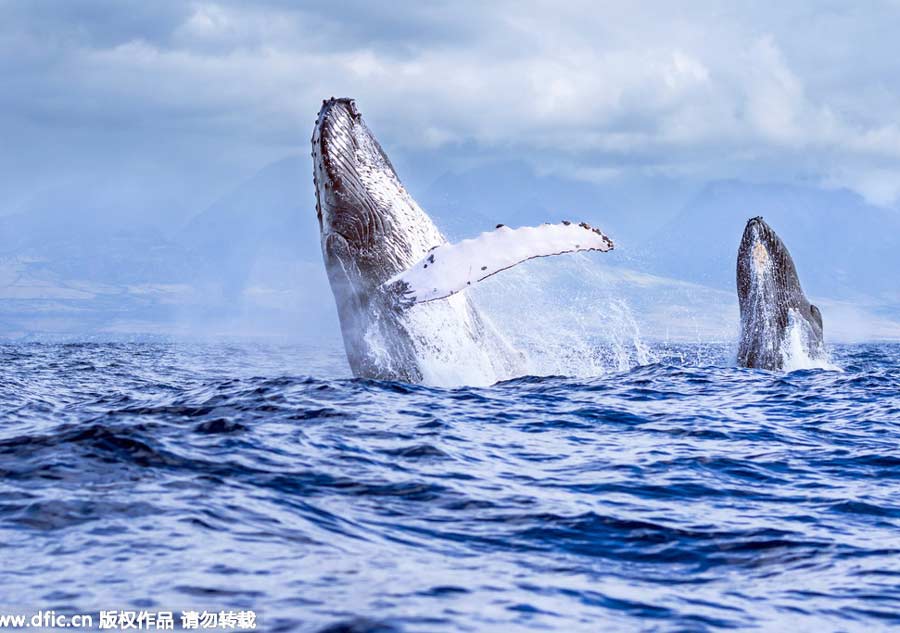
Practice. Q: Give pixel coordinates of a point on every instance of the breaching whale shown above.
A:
(396, 280)
(774, 311)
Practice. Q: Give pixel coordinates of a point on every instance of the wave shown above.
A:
(630, 498)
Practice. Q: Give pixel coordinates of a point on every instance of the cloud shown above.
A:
(696, 90)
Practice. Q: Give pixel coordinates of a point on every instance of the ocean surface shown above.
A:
(684, 494)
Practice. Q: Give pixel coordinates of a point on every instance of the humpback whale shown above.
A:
(396, 280)
(774, 310)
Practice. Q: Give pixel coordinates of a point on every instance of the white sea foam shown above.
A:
(796, 352)
(567, 317)
(449, 355)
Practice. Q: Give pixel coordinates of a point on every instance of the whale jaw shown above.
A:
(343, 203)
(771, 300)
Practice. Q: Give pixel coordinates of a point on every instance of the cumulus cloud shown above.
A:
(696, 90)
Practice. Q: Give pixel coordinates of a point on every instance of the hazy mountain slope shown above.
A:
(268, 218)
(842, 246)
(250, 264)
(468, 202)
(71, 239)
(259, 255)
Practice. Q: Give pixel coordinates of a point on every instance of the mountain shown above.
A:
(843, 247)
(248, 264)
(465, 203)
(251, 264)
(259, 254)
(87, 233)
(269, 217)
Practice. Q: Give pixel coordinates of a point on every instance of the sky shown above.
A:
(179, 101)
(160, 149)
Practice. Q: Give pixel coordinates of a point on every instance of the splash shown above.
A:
(797, 352)
(630, 349)
(566, 318)
(542, 318)
(450, 350)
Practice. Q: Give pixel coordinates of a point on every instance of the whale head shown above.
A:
(371, 228)
(771, 300)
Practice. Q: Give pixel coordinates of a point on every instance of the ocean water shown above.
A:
(683, 494)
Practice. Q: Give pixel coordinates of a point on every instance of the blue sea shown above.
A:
(681, 495)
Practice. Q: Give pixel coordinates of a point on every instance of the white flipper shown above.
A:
(449, 268)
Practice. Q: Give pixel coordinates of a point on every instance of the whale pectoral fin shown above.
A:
(400, 294)
(449, 268)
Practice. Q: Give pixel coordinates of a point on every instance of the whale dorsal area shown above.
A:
(449, 268)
